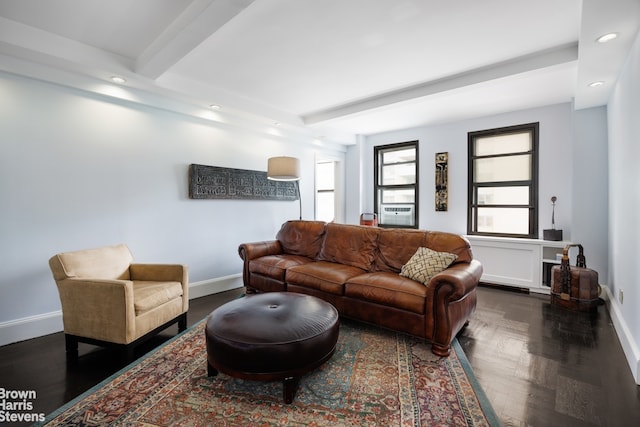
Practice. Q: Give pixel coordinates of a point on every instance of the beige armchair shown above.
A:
(109, 300)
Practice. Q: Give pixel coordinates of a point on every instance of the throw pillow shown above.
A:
(426, 263)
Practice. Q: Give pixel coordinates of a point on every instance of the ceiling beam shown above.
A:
(197, 23)
(538, 60)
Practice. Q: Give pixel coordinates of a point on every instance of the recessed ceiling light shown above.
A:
(596, 84)
(118, 79)
(214, 106)
(606, 37)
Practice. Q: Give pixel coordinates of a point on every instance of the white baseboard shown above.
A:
(629, 346)
(214, 286)
(30, 327)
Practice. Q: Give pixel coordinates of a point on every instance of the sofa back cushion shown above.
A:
(353, 245)
(449, 242)
(302, 238)
(397, 246)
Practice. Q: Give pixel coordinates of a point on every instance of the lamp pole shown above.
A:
(299, 197)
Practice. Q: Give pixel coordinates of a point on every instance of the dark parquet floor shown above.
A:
(539, 365)
(542, 365)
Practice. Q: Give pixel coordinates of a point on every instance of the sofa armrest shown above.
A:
(462, 277)
(249, 251)
(90, 304)
(253, 250)
(163, 273)
(452, 293)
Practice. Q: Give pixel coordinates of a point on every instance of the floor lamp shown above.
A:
(285, 168)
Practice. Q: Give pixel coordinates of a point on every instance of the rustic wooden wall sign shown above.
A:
(442, 181)
(212, 182)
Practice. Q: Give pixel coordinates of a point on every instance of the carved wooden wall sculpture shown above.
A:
(442, 181)
(213, 182)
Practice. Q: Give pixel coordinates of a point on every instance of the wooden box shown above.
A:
(575, 287)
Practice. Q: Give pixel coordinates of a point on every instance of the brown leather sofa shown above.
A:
(356, 268)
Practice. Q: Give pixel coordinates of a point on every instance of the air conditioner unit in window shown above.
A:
(397, 215)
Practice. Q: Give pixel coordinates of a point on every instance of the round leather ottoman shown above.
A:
(271, 336)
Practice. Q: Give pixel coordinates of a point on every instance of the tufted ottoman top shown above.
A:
(271, 333)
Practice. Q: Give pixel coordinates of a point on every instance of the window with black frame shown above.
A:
(396, 185)
(503, 182)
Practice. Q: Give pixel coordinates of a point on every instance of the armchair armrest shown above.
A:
(163, 273)
(90, 304)
(159, 272)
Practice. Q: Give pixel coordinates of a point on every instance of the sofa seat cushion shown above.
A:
(275, 266)
(149, 295)
(322, 275)
(388, 289)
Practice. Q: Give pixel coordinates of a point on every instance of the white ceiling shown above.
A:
(339, 67)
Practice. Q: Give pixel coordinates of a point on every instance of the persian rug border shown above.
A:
(115, 375)
(485, 404)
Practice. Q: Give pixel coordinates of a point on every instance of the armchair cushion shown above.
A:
(149, 295)
(110, 262)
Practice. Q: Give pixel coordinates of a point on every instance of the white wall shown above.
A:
(79, 170)
(591, 188)
(624, 205)
(556, 163)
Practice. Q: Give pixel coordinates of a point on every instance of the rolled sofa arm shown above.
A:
(462, 277)
(249, 251)
(452, 293)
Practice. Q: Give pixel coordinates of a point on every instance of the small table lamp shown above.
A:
(285, 168)
(553, 234)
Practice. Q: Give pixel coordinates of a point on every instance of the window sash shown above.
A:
(503, 168)
(325, 204)
(398, 174)
(396, 183)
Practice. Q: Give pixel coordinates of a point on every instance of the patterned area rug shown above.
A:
(375, 378)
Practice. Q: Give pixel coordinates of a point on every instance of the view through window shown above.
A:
(325, 191)
(503, 181)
